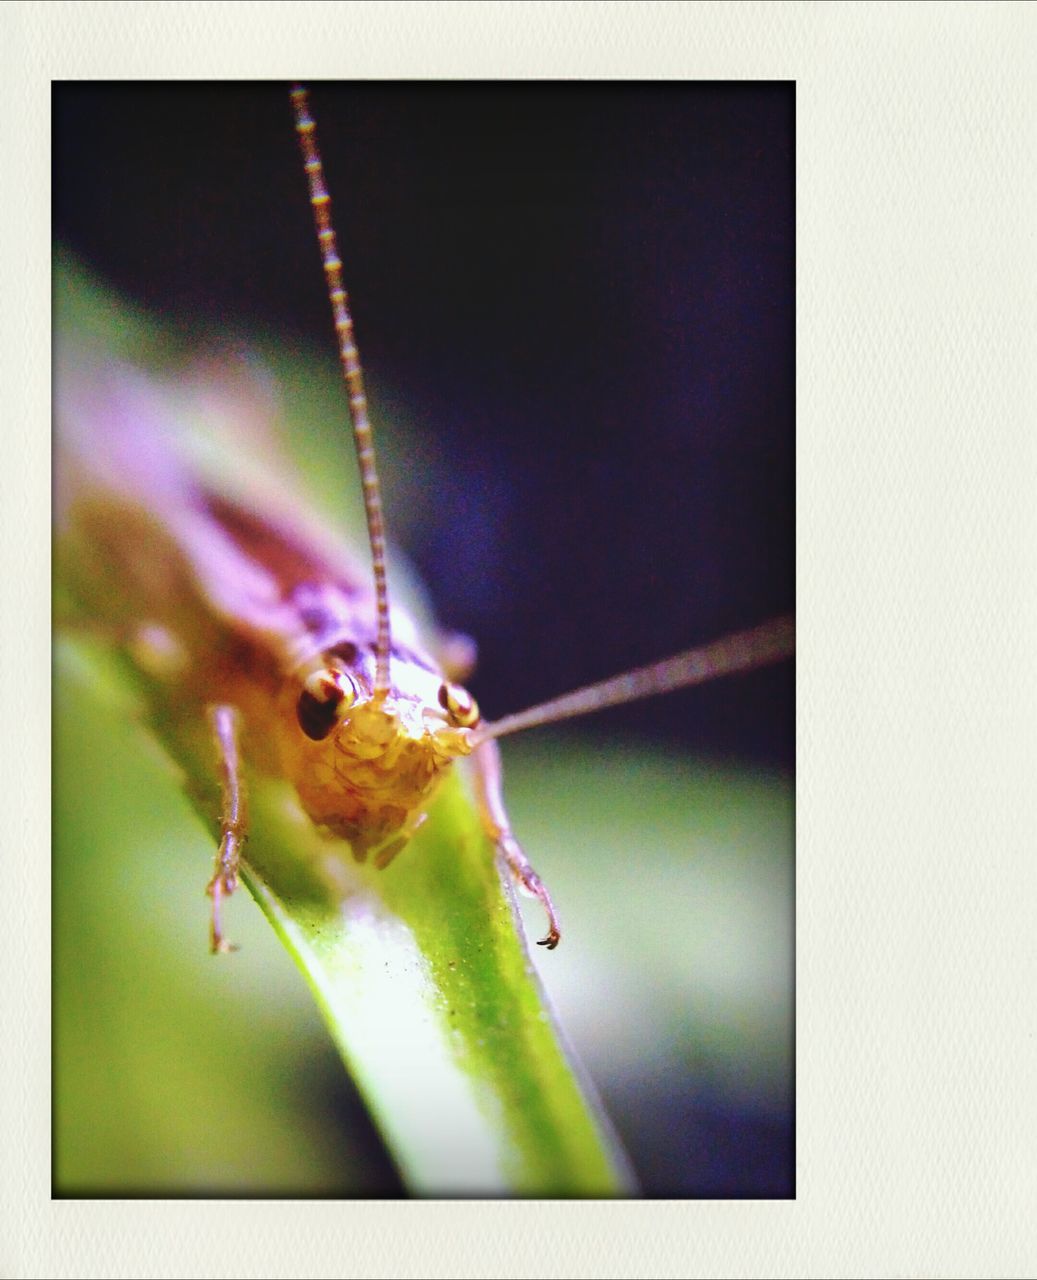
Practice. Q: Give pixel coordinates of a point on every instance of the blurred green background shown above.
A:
(665, 832)
(177, 1073)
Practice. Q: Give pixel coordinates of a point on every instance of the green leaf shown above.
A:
(420, 971)
(437, 1010)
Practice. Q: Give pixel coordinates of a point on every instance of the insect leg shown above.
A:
(488, 776)
(456, 654)
(151, 647)
(233, 818)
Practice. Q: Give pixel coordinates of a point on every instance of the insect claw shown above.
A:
(533, 885)
(554, 934)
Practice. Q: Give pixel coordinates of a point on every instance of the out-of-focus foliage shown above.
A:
(418, 970)
(178, 1074)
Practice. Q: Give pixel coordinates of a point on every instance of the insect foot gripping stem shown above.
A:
(520, 868)
(233, 821)
(487, 775)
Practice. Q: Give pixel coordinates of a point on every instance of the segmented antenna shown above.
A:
(740, 652)
(350, 358)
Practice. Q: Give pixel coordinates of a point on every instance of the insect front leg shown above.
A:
(456, 654)
(233, 818)
(488, 775)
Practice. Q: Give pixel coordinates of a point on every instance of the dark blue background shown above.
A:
(584, 293)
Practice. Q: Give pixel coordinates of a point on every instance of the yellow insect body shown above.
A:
(219, 605)
(374, 774)
(238, 614)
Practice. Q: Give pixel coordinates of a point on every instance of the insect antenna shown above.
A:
(350, 357)
(769, 642)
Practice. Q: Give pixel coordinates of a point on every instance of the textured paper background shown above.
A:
(917, 662)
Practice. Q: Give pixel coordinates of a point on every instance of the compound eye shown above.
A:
(326, 696)
(459, 705)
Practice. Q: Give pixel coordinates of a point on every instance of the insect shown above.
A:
(293, 654)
